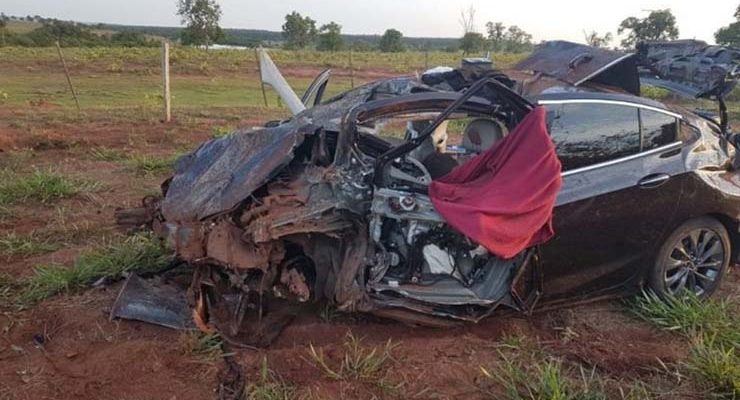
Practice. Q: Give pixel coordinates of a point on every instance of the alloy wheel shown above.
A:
(694, 263)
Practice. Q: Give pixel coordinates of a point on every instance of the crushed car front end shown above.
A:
(321, 208)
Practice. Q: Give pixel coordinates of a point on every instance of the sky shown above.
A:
(544, 19)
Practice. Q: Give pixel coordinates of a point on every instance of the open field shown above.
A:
(62, 175)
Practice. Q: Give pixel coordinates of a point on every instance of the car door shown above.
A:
(617, 196)
(315, 91)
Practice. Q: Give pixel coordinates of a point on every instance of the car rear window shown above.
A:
(658, 129)
(590, 133)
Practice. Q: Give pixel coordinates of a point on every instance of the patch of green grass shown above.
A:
(715, 367)
(690, 316)
(522, 345)
(13, 245)
(358, 361)
(654, 92)
(152, 165)
(713, 329)
(520, 379)
(204, 347)
(113, 259)
(523, 370)
(270, 386)
(144, 62)
(103, 153)
(7, 290)
(221, 131)
(6, 213)
(41, 185)
(15, 159)
(126, 93)
(636, 391)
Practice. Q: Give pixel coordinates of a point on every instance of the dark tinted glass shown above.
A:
(658, 129)
(589, 133)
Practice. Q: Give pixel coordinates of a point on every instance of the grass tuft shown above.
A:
(523, 371)
(111, 260)
(714, 331)
(42, 186)
(690, 316)
(221, 131)
(715, 367)
(103, 153)
(270, 386)
(152, 165)
(205, 347)
(358, 362)
(13, 245)
(524, 380)
(7, 290)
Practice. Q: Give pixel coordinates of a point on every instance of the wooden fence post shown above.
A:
(351, 70)
(426, 59)
(69, 80)
(259, 71)
(166, 81)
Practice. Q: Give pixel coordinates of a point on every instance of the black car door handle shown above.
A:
(653, 180)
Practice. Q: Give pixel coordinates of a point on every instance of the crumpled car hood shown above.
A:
(223, 172)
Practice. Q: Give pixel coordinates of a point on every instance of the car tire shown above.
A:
(693, 258)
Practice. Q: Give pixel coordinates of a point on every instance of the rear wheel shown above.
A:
(694, 259)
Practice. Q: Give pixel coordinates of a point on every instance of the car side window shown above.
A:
(658, 129)
(591, 133)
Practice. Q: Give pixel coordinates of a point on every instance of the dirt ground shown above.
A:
(66, 347)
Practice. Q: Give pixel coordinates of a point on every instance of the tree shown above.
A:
(593, 39)
(496, 31)
(517, 40)
(472, 42)
(298, 31)
(467, 20)
(730, 35)
(201, 18)
(391, 41)
(658, 25)
(330, 37)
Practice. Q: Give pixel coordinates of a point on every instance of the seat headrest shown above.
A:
(481, 134)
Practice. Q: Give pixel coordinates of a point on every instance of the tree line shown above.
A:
(202, 28)
(300, 32)
(68, 34)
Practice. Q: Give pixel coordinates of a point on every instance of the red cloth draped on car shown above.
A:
(503, 198)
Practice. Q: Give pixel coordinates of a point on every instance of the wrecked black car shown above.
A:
(443, 197)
